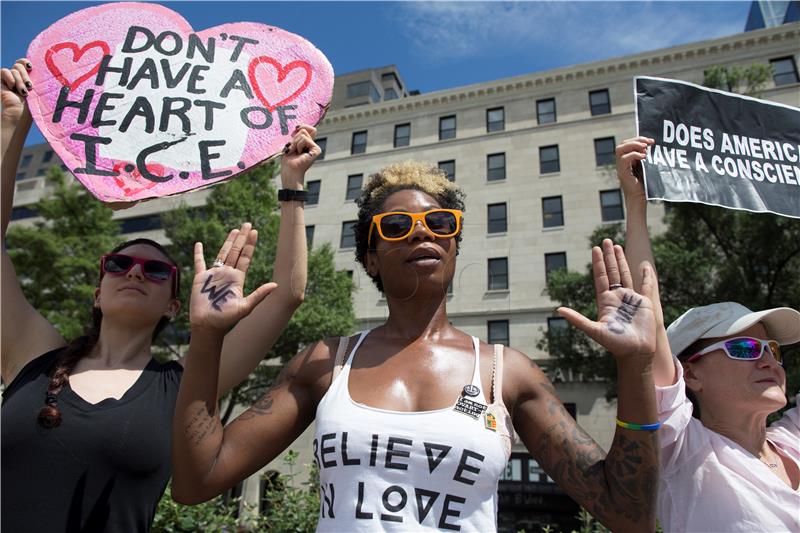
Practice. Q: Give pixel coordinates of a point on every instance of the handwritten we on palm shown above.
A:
(218, 301)
(626, 321)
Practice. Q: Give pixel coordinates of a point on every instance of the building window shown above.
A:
(556, 325)
(546, 111)
(26, 160)
(363, 88)
(353, 186)
(513, 471)
(20, 176)
(495, 119)
(552, 212)
(599, 102)
(498, 274)
(449, 168)
(348, 239)
(611, 205)
(389, 94)
(498, 332)
(144, 223)
(313, 192)
(604, 151)
(495, 167)
(447, 127)
(323, 145)
(497, 217)
(23, 211)
(553, 262)
(548, 159)
(310, 235)
(48, 155)
(784, 71)
(359, 143)
(402, 135)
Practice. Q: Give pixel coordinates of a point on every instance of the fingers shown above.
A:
(624, 269)
(599, 271)
(199, 260)
(249, 249)
(226, 246)
(303, 142)
(16, 78)
(258, 295)
(610, 259)
(238, 245)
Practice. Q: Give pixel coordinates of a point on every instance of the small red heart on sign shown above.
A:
(77, 53)
(279, 84)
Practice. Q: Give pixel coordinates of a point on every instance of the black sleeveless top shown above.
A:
(103, 469)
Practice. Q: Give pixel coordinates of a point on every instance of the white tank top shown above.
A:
(384, 470)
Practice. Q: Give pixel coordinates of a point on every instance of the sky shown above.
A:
(436, 45)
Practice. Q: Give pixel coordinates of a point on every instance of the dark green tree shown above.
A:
(58, 259)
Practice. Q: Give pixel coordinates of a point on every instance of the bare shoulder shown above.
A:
(523, 379)
(313, 366)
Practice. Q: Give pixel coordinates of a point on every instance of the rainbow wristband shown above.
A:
(638, 427)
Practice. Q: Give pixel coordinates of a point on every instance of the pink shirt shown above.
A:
(710, 483)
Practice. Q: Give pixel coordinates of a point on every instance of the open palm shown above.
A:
(218, 301)
(626, 321)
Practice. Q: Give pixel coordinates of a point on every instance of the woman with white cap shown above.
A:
(719, 375)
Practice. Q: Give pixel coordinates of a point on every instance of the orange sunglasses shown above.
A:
(397, 225)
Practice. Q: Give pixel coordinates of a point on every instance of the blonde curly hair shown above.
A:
(397, 177)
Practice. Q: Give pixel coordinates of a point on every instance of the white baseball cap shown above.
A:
(729, 318)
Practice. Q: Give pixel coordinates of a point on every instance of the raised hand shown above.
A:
(298, 156)
(626, 322)
(14, 85)
(630, 153)
(218, 300)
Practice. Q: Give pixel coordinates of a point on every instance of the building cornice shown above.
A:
(564, 75)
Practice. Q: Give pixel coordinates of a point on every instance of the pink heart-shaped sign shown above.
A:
(138, 105)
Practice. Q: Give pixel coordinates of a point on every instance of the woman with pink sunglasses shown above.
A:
(86, 425)
(719, 375)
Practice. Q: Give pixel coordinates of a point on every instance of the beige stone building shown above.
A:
(533, 154)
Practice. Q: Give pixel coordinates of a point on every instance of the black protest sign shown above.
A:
(719, 148)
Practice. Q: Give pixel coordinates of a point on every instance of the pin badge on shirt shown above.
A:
(471, 390)
(490, 420)
(469, 407)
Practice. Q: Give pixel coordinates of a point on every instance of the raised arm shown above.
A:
(207, 459)
(630, 153)
(32, 334)
(618, 488)
(247, 344)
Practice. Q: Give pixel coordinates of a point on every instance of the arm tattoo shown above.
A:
(618, 487)
(625, 313)
(216, 296)
(200, 426)
(264, 405)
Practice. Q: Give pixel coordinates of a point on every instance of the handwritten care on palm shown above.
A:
(140, 106)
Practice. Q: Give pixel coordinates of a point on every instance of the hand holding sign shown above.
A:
(138, 105)
(14, 84)
(629, 154)
(298, 156)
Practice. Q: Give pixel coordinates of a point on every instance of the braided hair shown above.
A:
(50, 416)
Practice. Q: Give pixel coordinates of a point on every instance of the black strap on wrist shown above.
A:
(292, 195)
